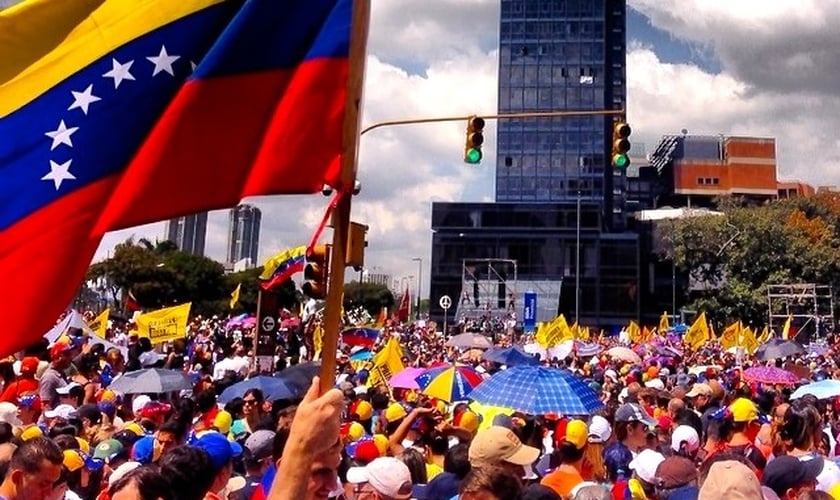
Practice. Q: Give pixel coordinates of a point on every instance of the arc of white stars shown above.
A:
(163, 62)
(83, 99)
(59, 172)
(61, 135)
(120, 72)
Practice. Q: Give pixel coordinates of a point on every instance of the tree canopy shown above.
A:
(730, 259)
(373, 297)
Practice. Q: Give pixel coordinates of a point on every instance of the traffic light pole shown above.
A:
(500, 116)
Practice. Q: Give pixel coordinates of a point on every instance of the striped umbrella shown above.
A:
(449, 383)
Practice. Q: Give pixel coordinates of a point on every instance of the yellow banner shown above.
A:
(634, 333)
(699, 332)
(663, 323)
(99, 324)
(386, 363)
(234, 296)
(165, 324)
(749, 341)
(729, 336)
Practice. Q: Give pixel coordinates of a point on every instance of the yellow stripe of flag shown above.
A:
(42, 42)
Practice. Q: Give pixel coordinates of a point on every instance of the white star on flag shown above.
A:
(61, 135)
(163, 62)
(59, 172)
(120, 72)
(82, 100)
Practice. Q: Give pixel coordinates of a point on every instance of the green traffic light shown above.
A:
(621, 161)
(473, 156)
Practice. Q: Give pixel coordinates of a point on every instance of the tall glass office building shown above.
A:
(557, 55)
(554, 55)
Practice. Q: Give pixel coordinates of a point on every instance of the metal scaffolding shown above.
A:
(811, 307)
(488, 289)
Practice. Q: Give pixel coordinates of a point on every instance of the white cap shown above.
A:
(645, 465)
(121, 471)
(61, 411)
(655, 383)
(685, 434)
(599, 430)
(139, 402)
(664, 371)
(610, 373)
(8, 414)
(65, 390)
(387, 475)
(150, 358)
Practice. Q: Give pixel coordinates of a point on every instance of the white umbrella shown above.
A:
(624, 354)
(469, 341)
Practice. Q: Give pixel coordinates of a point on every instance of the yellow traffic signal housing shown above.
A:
(475, 138)
(355, 255)
(317, 272)
(620, 144)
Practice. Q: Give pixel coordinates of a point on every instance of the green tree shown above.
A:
(289, 296)
(373, 297)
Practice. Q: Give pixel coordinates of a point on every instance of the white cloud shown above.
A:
(448, 48)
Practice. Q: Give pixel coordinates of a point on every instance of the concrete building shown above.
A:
(188, 232)
(244, 235)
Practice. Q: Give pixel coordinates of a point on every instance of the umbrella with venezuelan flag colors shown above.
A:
(449, 383)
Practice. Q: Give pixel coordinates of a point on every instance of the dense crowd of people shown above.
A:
(675, 425)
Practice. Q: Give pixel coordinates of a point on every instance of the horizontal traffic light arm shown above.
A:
(502, 116)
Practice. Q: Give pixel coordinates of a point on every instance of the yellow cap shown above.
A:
(469, 421)
(108, 395)
(73, 461)
(441, 407)
(31, 432)
(135, 428)
(381, 442)
(356, 431)
(577, 433)
(364, 410)
(835, 492)
(743, 410)
(395, 412)
(83, 445)
(223, 421)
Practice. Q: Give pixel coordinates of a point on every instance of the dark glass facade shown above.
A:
(559, 55)
(542, 239)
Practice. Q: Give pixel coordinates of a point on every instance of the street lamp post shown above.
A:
(419, 261)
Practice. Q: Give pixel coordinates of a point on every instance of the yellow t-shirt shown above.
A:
(432, 470)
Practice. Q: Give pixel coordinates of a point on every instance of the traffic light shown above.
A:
(620, 144)
(475, 138)
(355, 255)
(317, 272)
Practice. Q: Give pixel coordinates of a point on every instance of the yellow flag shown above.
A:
(574, 329)
(318, 340)
(749, 341)
(634, 333)
(99, 324)
(663, 323)
(386, 363)
(786, 328)
(234, 296)
(730, 335)
(699, 332)
(583, 332)
(765, 335)
(562, 331)
(165, 324)
(647, 334)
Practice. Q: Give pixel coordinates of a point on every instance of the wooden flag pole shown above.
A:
(341, 214)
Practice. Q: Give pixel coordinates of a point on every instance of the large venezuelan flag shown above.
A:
(120, 112)
(282, 266)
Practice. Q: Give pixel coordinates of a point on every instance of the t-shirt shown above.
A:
(50, 381)
(562, 480)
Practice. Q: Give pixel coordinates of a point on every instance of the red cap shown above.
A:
(58, 349)
(366, 451)
(29, 365)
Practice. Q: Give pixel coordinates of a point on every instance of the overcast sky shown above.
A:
(756, 67)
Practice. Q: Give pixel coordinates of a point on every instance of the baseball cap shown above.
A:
(645, 465)
(139, 402)
(57, 350)
(221, 450)
(363, 451)
(785, 472)
(655, 383)
(355, 431)
(743, 410)
(387, 475)
(574, 432)
(154, 409)
(467, 420)
(8, 414)
(675, 471)
(145, 451)
(31, 432)
(599, 429)
(76, 459)
(381, 441)
(135, 429)
(223, 421)
(30, 401)
(121, 471)
(363, 409)
(29, 365)
(65, 390)
(260, 444)
(108, 450)
(730, 479)
(84, 444)
(685, 434)
(699, 389)
(631, 412)
(64, 412)
(394, 412)
(498, 444)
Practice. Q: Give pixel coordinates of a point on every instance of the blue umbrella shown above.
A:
(824, 389)
(273, 388)
(538, 390)
(510, 356)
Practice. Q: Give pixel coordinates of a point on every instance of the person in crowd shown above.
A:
(25, 383)
(142, 483)
(571, 440)
(499, 446)
(385, 478)
(252, 403)
(491, 482)
(189, 471)
(53, 376)
(33, 470)
(799, 432)
(788, 476)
